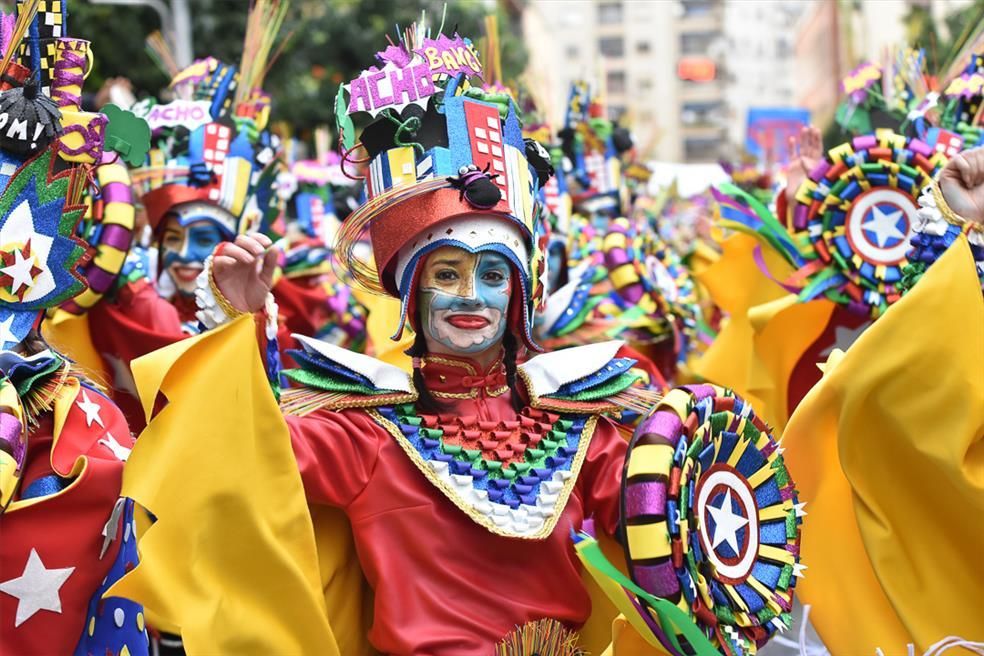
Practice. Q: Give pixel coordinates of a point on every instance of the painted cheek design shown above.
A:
(472, 322)
(184, 265)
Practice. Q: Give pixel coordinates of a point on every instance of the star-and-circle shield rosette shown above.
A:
(857, 210)
(711, 519)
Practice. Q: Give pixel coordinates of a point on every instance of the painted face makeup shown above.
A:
(464, 298)
(184, 250)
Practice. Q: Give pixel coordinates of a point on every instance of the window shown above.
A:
(784, 49)
(610, 13)
(696, 43)
(701, 149)
(573, 52)
(615, 82)
(701, 113)
(643, 47)
(616, 112)
(645, 84)
(697, 7)
(612, 46)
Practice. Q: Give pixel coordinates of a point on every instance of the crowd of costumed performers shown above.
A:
(468, 383)
(482, 485)
(611, 273)
(213, 172)
(312, 300)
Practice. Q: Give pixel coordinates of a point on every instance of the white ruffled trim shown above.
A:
(929, 219)
(548, 372)
(519, 522)
(382, 374)
(209, 313)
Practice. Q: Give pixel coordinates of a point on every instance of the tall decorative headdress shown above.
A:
(211, 150)
(447, 165)
(45, 139)
(593, 143)
(944, 108)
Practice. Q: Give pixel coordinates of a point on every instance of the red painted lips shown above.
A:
(186, 273)
(468, 321)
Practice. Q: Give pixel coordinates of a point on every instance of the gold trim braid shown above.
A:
(947, 212)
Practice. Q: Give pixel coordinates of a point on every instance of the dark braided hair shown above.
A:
(425, 400)
(510, 346)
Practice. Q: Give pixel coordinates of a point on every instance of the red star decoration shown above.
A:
(7, 259)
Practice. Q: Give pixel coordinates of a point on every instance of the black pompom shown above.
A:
(621, 139)
(28, 120)
(539, 159)
(482, 193)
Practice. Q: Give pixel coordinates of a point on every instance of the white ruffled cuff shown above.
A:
(929, 218)
(213, 312)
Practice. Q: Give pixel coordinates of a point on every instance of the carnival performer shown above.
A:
(67, 534)
(521, 471)
(209, 176)
(462, 480)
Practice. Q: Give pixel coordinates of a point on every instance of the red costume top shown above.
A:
(60, 539)
(443, 583)
(137, 321)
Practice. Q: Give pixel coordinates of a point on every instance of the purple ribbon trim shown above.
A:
(99, 280)
(117, 192)
(12, 432)
(116, 236)
(92, 138)
(764, 268)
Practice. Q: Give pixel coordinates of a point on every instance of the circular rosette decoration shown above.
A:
(711, 518)
(858, 211)
(107, 227)
(649, 279)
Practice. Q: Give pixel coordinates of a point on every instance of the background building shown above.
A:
(625, 48)
(760, 68)
(682, 72)
(686, 72)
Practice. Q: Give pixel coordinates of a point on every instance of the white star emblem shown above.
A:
(726, 524)
(19, 229)
(120, 451)
(844, 337)
(37, 588)
(6, 334)
(91, 410)
(885, 225)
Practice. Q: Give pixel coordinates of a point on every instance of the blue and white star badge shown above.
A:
(880, 224)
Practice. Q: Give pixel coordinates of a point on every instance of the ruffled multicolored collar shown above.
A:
(512, 476)
(451, 377)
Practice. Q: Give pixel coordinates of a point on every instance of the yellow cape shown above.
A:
(736, 284)
(888, 450)
(232, 558)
